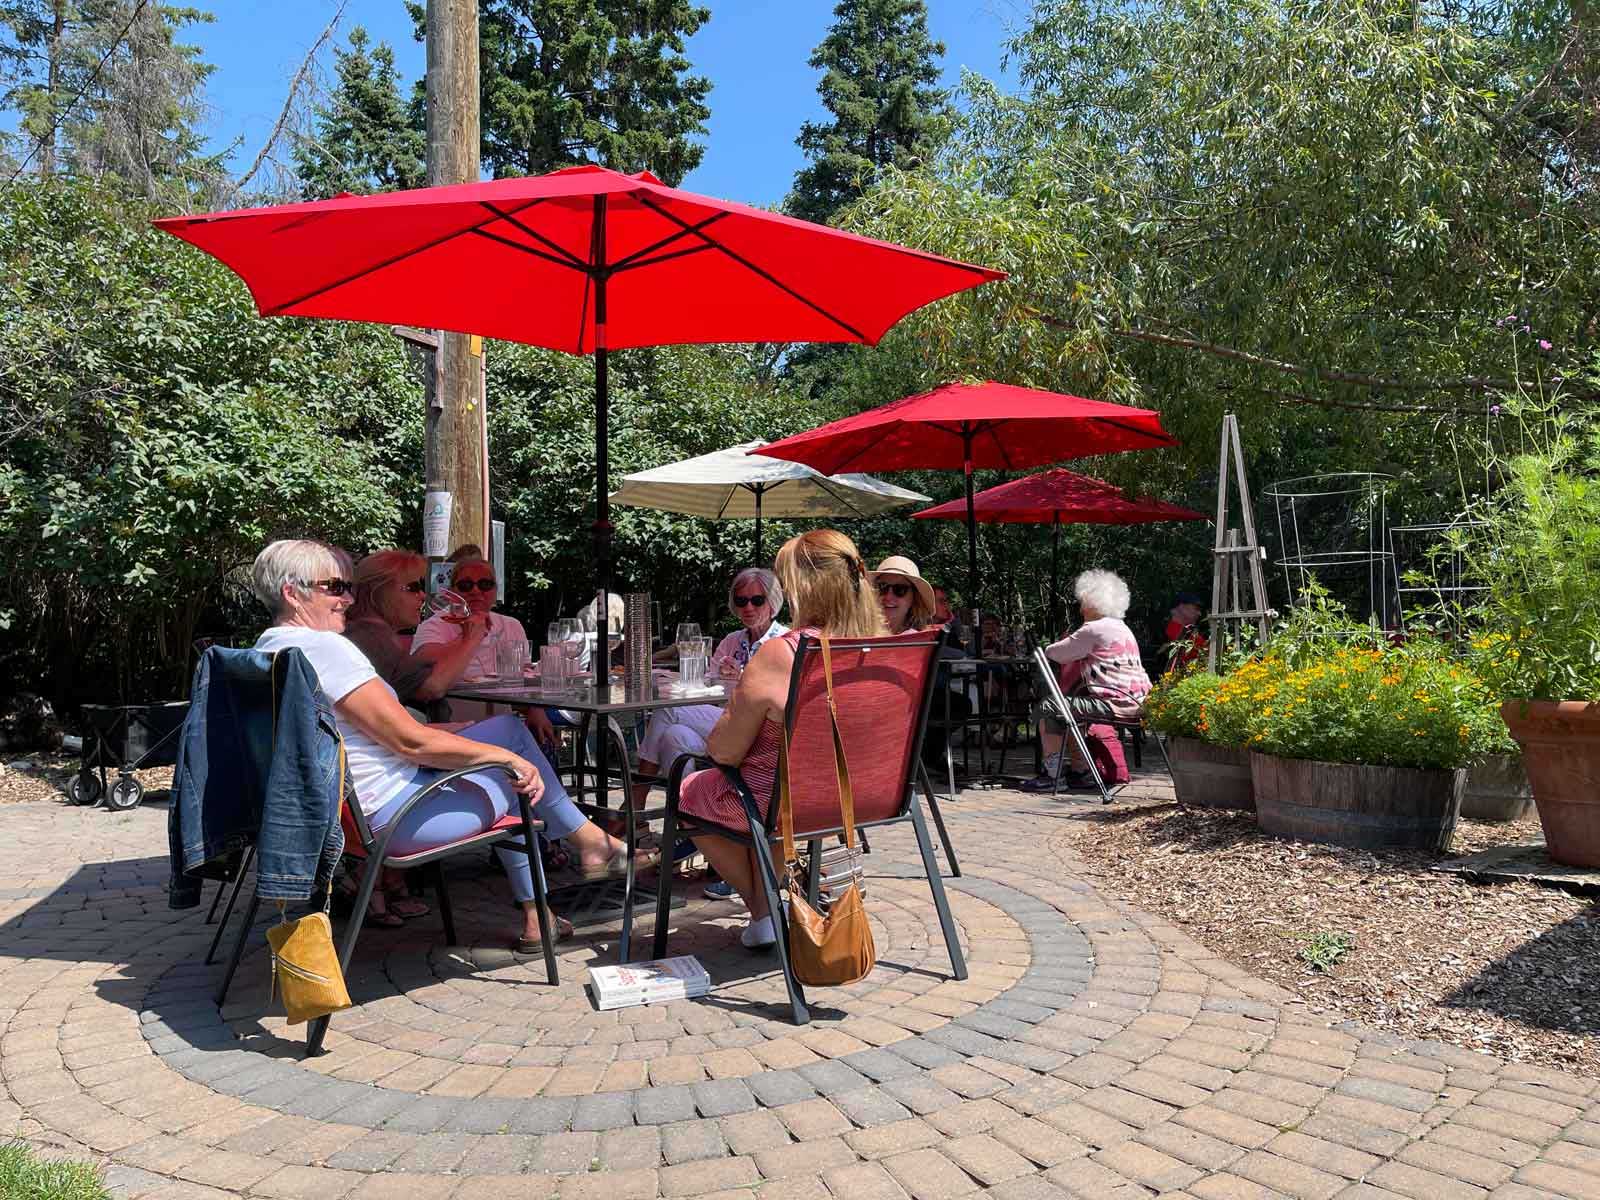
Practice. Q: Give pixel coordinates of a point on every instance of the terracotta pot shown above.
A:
(1207, 776)
(1351, 804)
(1497, 789)
(1560, 743)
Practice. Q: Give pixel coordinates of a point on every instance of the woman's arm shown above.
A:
(447, 660)
(1078, 644)
(762, 692)
(373, 709)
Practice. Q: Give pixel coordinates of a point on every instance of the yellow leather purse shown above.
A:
(305, 967)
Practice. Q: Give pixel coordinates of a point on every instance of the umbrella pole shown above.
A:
(602, 523)
(972, 520)
(758, 491)
(1055, 573)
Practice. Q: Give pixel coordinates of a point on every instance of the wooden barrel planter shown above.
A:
(1351, 804)
(1497, 789)
(1207, 776)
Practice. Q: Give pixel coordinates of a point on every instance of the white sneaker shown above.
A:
(758, 935)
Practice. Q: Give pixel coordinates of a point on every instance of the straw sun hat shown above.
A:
(899, 565)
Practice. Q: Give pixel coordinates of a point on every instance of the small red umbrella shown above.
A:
(584, 260)
(971, 426)
(1058, 497)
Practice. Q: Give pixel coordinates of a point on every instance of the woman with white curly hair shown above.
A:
(1101, 677)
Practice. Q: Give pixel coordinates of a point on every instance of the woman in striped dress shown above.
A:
(822, 574)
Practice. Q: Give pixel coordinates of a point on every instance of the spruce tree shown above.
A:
(362, 138)
(589, 81)
(880, 83)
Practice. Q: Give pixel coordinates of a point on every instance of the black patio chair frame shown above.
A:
(676, 823)
(1056, 705)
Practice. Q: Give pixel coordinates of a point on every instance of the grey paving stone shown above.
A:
(777, 1088)
(321, 1103)
(375, 1108)
(986, 1020)
(965, 1041)
(435, 1153)
(689, 1141)
(924, 1053)
(879, 1065)
(424, 1114)
(870, 1106)
(830, 1077)
(371, 1152)
(1011, 1005)
(722, 1097)
(660, 1105)
(546, 1114)
(484, 1115)
(604, 1110)
(921, 1094)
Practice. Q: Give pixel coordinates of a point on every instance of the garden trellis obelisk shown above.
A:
(1235, 559)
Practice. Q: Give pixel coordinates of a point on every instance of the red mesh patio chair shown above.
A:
(882, 688)
(1055, 704)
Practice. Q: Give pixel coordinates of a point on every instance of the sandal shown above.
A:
(406, 906)
(616, 867)
(563, 930)
(384, 920)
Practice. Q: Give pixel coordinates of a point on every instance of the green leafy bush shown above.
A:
(1177, 703)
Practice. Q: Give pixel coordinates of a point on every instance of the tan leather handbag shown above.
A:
(305, 967)
(837, 948)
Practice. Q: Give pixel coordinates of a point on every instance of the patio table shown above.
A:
(604, 701)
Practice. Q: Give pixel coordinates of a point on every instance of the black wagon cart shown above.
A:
(127, 737)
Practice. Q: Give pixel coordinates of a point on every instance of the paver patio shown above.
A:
(1095, 1052)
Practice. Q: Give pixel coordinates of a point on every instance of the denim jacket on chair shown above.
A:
(239, 782)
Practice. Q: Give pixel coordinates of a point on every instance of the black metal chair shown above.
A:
(882, 689)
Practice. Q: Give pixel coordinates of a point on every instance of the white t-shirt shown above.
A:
(379, 774)
(436, 631)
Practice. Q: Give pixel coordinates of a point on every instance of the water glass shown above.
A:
(510, 655)
(688, 635)
(692, 667)
(553, 667)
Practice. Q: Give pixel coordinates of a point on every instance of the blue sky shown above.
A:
(754, 52)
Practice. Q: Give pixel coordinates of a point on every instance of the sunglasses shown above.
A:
(758, 600)
(900, 590)
(416, 585)
(333, 587)
(483, 585)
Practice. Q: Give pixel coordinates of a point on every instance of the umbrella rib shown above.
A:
(571, 259)
(279, 309)
(661, 258)
(755, 270)
(827, 485)
(1156, 438)
(631, 260)
(533, 250)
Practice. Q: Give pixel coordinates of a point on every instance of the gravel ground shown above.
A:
(1513, 969)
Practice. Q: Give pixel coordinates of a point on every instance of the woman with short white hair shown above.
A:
(1101, 677)
(755, 598)
(391, 755)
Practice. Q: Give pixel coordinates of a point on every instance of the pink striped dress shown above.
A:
(709, 796)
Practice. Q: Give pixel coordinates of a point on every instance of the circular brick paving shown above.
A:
(1093, 1051)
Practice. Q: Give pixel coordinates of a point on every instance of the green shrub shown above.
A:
(1177, 704)
(25, 1176)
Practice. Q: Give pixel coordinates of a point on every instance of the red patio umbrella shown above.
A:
(1058, 497)
(584, 260)
(971, 426)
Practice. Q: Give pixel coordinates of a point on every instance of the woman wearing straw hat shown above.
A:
(908, 602)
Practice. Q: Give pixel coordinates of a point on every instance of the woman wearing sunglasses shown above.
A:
(905, 596)
(439, 637)
(755, 598)
(391, 755)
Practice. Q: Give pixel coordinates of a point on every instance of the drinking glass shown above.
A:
(447, 604)
(510, 654)
(688, 632)
(692, 667)
(552, 667)
(573, 640)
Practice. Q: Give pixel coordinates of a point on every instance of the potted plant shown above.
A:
(1536, 553)
(1364, 745)
(1210, 765)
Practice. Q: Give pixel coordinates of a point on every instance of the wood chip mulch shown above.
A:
(1512, 968)
(41, 776)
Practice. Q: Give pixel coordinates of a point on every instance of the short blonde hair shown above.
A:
(292, 562)
(376, 571)
(826, 582)
(1105, 591)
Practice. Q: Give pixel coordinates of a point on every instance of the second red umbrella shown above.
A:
(993, 426)
(1058, 497)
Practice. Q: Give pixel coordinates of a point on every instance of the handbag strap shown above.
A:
(841, 769)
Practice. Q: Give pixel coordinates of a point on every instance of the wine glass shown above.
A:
(571, 638)
(447, 604)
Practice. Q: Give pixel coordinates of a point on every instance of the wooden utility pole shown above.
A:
(456, 451)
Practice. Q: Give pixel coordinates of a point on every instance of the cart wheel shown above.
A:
(125, 793)
(83, 789)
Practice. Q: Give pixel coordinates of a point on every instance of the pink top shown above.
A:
(1101, 659)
